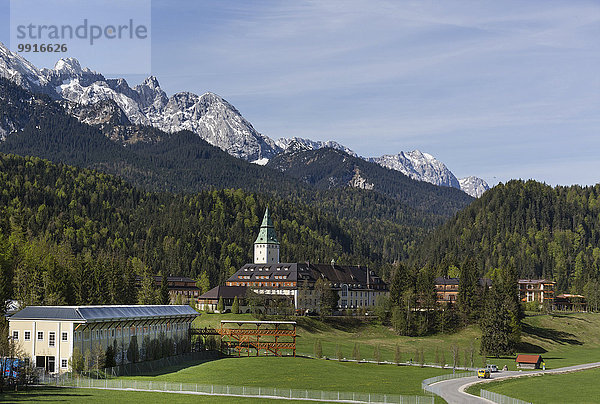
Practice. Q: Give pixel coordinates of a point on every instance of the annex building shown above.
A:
(357, 287)
(50, 334)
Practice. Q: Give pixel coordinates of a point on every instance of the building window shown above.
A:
(27, 335)
(64, 363)
(51, 338)
(40, 335)
(64, 336)
(15, 335)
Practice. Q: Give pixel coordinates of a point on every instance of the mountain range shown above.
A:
(94, 99)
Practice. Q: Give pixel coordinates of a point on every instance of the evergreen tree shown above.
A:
(164, 290)
(235, 307)
(203, 283)
(220, 305)
(147, 291)
(133, 352)
(468, 291)
(499, 325)
(109, 357)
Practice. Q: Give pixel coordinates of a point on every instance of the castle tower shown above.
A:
(266, 246)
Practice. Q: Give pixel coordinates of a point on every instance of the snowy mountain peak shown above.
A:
(151, 82)
(473, 186)
(18, 70)
(68, 65)
(419, 166)
(208, 115)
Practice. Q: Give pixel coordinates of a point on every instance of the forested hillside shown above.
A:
(389, 224)
(329, 168)
(538, 230)
(70, 235)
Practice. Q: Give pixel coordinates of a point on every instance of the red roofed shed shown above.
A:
(529, 361)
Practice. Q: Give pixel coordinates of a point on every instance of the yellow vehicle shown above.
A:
(483, 373)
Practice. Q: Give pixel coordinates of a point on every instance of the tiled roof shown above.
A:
(353, 276)
(103, 313)
(528, 358)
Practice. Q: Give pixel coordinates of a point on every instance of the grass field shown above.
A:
(67, 395)
(302, 373)
(576, 387)
(368, 334)
(562, 339)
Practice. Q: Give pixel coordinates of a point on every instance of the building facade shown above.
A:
(357, 287)
(536, 290)
(446, 289)
(49, 335)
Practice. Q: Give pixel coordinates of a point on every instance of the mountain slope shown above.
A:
(75, 229)
(329, 169)
(182, 162)
(419, 166)
(541, 231)
(415, 164)
(179, 162)
(473, 186)
(210, 116)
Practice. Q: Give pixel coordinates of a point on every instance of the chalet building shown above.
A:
(48, 335)
(536, 290)
(356, 286)
(178, 286)
(446, 289)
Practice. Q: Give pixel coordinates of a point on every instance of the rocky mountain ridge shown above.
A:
(115, 106)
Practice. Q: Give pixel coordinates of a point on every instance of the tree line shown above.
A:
(538, 230)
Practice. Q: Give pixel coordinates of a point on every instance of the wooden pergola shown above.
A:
(272, 337)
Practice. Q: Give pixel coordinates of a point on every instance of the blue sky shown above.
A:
(496, 89)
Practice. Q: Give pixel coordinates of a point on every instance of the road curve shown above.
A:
(453, 390)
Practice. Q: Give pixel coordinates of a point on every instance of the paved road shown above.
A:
(453, 390)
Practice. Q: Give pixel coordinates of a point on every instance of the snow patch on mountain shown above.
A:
(2, 134)
(473, 186)
(208, 115)
(294, 144)
(18, 70)
(419, 166)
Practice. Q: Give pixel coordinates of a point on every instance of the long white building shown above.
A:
(48, 335)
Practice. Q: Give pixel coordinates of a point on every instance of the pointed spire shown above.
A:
(267, 235)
